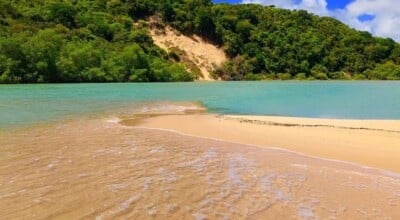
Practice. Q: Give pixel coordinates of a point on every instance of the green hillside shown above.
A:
(102, 41)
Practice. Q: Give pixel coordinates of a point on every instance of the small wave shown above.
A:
(114, 120)
(143, 110)
(166, 108)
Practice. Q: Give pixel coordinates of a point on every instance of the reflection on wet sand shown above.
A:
(99, 169)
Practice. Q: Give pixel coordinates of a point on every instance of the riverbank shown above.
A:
(372, 143)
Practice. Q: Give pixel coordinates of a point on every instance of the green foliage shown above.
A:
(205, 25)
(300, 76)
(63, 13)
(269, 41)
(244, 28)
(253, 77)
(386, 71)
(337, 75)
(78, 61)
(319, 72)
(359, 77)
(284, 76)
(80, 41)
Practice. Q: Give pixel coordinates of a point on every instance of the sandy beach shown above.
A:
(103, 168)
(373, 143)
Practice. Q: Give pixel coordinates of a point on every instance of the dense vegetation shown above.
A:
(271, 43)
(98, 41)
(79, 41)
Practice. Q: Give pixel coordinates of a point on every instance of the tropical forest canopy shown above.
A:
(106, 41)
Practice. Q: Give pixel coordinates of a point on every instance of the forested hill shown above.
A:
(104, 41)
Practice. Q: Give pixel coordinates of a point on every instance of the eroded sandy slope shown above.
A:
(197, 54)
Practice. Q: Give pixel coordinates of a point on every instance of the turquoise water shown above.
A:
(27, 104)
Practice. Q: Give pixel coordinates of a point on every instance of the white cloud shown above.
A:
(387, 16)
(385, 24)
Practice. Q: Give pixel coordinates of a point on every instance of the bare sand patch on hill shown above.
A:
(196, 53)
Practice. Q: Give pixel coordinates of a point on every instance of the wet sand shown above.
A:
(100, 168)
(374, 143)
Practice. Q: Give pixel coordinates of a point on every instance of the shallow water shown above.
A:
(27, 104)
(68, 157)
(95, 168)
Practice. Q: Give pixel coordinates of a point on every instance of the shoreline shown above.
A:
(370, 143)
(340, 163)
(129, 168)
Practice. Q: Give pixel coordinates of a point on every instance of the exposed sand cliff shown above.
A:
(198, 55)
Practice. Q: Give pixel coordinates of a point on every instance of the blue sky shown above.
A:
(380, 17)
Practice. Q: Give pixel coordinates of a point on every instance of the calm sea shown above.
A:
(27, 104)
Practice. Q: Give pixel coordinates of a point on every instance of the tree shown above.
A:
(244, 28)
(205, 25)
(386, 71)
(41, 52)
(63, 13)
(77, 62)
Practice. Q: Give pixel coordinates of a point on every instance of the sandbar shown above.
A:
(372, 143)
